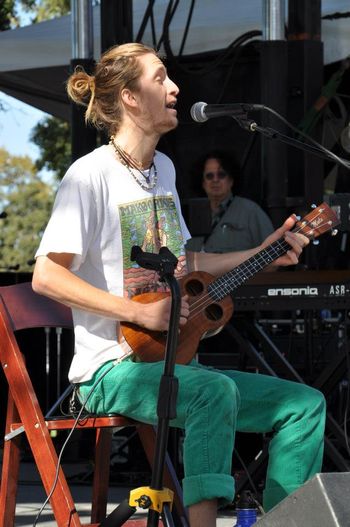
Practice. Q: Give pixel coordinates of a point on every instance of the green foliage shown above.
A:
(52, 136)
(7, 14)
(27, 200)
(38, 11)
(46, 9)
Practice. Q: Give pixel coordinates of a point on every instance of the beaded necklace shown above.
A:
(151, 179)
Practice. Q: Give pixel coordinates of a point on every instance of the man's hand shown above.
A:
(296, 241)
(156, 315)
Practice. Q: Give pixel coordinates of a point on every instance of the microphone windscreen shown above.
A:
(197, 112)
(345, 138)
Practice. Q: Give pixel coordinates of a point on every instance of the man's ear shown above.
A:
(128, 98)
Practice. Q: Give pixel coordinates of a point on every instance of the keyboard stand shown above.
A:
(325, 382)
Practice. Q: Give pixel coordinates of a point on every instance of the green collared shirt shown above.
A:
(243, 225)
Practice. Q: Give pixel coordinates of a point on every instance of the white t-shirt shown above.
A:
(100, 212)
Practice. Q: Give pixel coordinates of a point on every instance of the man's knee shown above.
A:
(225, 391)
(311, 401)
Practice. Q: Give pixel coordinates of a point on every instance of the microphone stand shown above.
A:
(156, 498)
(251, 126)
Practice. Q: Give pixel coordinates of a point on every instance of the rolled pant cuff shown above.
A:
(208, 487)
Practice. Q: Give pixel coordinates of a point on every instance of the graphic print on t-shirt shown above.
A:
(150, 223)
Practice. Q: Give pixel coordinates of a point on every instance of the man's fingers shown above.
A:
(297, 241)
(288, 224)
(293, 257)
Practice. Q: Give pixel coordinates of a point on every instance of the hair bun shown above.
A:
(81, 86)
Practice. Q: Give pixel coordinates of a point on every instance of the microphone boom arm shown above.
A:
(271, 133)
(201, 112)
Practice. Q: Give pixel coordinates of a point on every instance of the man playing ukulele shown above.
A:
(105, 205)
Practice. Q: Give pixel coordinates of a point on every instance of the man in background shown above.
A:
(237, 223)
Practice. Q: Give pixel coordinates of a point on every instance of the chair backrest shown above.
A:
(21, 308)
(26, 309)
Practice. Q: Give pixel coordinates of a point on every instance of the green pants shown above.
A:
(211, 406)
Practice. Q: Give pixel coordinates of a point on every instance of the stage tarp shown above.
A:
(34, 60)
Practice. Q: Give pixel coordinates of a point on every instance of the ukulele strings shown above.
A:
(242, 274)
(207, 299)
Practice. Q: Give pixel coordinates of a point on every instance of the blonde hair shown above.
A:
(117, 69)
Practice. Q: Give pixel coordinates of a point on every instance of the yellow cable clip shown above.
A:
(147, 498)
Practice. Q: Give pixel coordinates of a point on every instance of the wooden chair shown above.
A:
(21, 308)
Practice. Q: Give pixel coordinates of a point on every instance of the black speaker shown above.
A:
(321, 502)
(197, 214)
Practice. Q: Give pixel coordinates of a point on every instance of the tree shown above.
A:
(46, 9)
(27, 201)
(39, 10)
(7, 14)
(10, 9)
(52, 136)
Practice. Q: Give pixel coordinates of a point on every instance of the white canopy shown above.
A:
(34, 60)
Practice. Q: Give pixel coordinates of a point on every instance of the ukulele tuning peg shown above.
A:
(315, 242)
(313, 206)
(298, 217)
(334, 232)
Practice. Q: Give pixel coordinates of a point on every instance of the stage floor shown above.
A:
(31, 497)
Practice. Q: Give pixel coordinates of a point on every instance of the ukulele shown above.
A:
(211, 305)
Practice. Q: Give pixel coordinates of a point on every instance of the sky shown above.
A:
(16, 123)
(18, 119)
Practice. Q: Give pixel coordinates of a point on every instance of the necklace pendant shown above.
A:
(151, 179)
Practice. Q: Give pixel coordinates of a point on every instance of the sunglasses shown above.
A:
(221, 174)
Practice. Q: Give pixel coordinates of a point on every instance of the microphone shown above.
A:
(201, 111)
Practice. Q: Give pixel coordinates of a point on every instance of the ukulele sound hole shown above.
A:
(214, 312)
(194, 287)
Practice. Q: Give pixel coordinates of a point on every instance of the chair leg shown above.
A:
(46, 460)
(10, 470)
(38, 436)
(101, 474)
